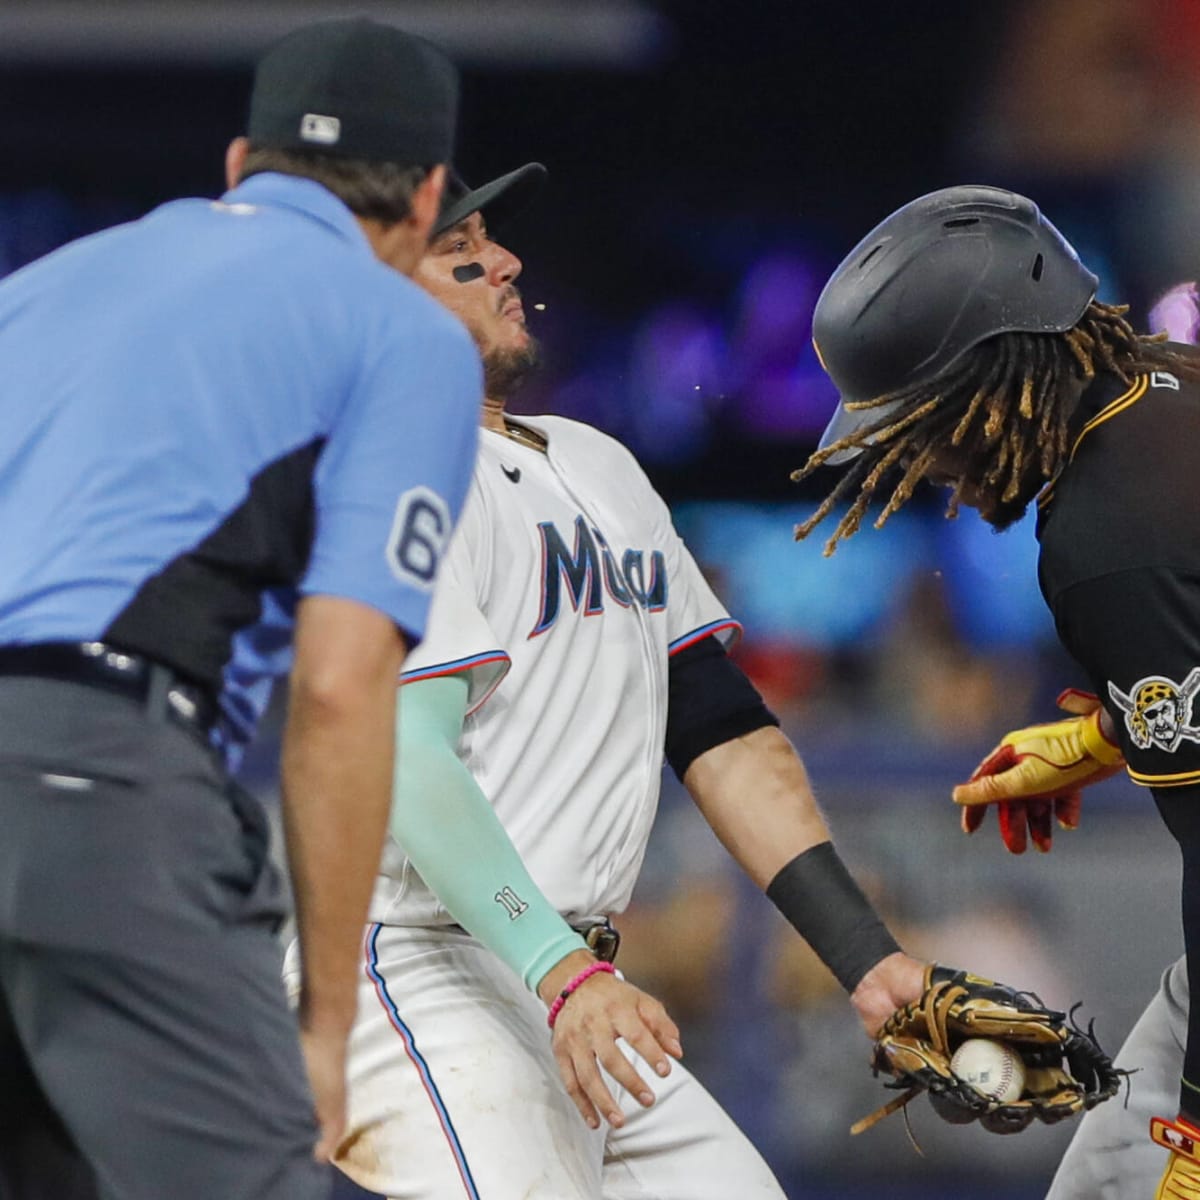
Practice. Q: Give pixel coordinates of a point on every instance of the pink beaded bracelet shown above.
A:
(584, 975)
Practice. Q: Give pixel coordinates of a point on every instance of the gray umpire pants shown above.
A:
(146, 1047)
(1111, 1156)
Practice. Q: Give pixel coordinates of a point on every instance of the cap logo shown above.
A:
(325, 131)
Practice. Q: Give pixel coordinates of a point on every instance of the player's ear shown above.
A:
(426, 202)
(235, 160)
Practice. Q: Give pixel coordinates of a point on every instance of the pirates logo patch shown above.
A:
(1158, 711)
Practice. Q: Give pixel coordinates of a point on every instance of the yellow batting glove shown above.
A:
(1037, 773)
(1181, 1179)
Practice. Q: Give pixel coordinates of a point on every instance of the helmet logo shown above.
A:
(1157, 711)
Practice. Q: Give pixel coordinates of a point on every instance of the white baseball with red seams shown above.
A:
(993, 1069)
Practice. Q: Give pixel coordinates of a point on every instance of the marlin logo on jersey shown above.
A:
(590, 570)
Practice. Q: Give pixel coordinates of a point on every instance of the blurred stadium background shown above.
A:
(710, 163)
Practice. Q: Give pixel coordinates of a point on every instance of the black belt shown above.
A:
(602, 939)
(98, 665)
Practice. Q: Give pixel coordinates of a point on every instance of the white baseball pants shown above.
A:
(455, 1095)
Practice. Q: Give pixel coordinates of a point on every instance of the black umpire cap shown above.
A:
(358, 89)
(498, 201)
(932, 281)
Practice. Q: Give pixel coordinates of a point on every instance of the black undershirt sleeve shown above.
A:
(710, 701)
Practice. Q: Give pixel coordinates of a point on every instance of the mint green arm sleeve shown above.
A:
(449, 830)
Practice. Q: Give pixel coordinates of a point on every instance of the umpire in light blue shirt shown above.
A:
(231, 430)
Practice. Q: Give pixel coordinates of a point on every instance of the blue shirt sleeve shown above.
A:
(394, 472)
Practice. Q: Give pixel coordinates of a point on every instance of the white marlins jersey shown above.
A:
(563, 594)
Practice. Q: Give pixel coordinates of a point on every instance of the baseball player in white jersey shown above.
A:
(572, 640)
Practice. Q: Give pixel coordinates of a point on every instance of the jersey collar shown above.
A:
(303, 196)
(529, 423)
(1103, 398)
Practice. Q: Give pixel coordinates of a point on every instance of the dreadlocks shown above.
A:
(1003, 408)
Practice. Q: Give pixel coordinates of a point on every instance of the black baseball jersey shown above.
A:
(1120, 565)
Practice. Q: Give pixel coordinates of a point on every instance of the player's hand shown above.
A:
(325, 1059)
(1035, 775)
(600, 1011)
(890, 984)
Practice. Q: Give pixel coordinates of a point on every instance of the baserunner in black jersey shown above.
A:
(969, 349)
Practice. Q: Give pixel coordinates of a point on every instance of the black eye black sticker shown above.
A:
(469, 272)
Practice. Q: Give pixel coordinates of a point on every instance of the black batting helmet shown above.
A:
(937, 277)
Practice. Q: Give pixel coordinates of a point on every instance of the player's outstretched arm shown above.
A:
(748, 781)
(451, 833)
(754, 792)
(336, 781)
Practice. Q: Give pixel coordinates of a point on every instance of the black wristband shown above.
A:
(820, 898)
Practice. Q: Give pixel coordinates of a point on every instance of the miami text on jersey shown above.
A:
(591, 570)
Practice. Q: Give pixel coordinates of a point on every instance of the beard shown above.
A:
(1005, 513)
(504, 371)
(1000, 514)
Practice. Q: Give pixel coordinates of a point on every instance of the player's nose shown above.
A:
(503, 265)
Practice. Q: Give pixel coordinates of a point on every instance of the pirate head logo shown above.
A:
(1157, 711)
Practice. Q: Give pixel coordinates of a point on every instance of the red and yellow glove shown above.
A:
(1181, 1179)
(1038, 773)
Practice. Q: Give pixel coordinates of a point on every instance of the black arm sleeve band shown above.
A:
(709, 701)
(1180, 809)
(820, 898)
